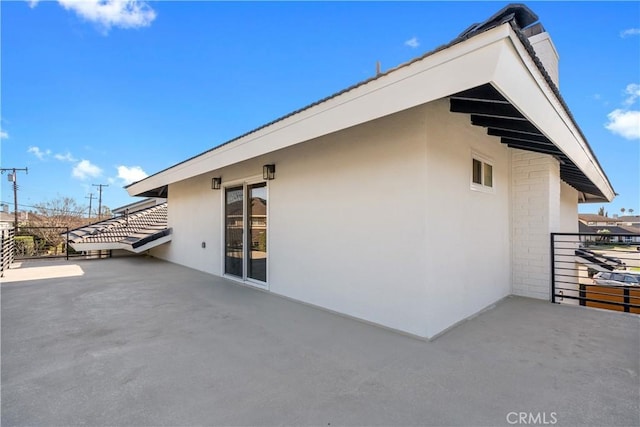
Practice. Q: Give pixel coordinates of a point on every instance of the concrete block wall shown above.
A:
(535, 186)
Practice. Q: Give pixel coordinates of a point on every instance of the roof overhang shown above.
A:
(135, 246)
(495, 57)
(488, 108)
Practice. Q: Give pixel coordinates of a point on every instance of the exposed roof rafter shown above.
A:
(488, 108)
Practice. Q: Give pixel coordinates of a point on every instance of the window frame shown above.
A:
(484, 162)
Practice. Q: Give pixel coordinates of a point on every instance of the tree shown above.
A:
(622, 210)
(601, 211)
(604, 235)
(106, 213)
(630, 211)
(50, 220)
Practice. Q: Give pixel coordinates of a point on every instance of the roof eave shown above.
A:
(498, 56)
(520, 79)
(384, 95)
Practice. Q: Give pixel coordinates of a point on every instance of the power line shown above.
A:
(43, 208)
(90, 197)
(100, 198)
(13, 176)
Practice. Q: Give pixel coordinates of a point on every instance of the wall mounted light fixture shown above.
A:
(268, 172)
(216, 183)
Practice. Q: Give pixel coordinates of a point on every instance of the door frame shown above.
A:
(246, 245)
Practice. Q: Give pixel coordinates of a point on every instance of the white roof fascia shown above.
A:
(465, 65)
(151, 244)
(98, 246)
(520, 81)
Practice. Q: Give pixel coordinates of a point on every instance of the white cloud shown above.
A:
(113, 13)
(110, 13)
(85, 169)
(67, 157)
(4, 135)
(131, 174)
(633, 92)
(630, 32)
(36, 151)
(624, 123)
(412, 42)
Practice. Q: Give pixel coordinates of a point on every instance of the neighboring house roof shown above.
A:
(630, 228)
(596, 218)
(612, 229)
(517, 102)
(135, 232)
(629, 218)
(7, 217)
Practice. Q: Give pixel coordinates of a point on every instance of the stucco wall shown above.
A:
(568, 209)
(346, 221)
(468, 232)
(378, 221)
(347, 230)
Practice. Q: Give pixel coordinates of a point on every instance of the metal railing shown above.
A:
(598, 270)
(42, 242)
(7, 250)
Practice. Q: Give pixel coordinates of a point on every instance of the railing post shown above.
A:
(553, 269)
(67, 244)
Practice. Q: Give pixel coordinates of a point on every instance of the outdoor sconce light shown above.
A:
(215, 183)
(268, 172)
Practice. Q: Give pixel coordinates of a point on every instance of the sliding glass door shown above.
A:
(234, 231)
(257, 224)
(246, 231)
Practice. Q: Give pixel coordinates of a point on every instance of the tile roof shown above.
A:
(124, 232)
(612, 229)
(597, 218)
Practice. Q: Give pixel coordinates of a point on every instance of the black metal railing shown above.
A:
(7, 250)
(42, 242)
(600, 270)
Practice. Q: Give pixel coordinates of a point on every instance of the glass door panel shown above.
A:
(257, 231)
(234, 228)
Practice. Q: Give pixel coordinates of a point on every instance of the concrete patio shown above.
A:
(137, 341)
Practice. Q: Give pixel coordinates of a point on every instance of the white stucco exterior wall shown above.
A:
(346, 221)
(568, 209)
(468, 232)
(380, 221)
(377, 221)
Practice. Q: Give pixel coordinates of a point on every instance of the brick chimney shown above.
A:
(545, 50)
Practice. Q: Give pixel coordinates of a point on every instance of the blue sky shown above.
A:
(106, 93)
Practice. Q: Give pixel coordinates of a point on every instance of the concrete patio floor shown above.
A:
(137, 341)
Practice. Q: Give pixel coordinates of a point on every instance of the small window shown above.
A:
(488, 175)
(477, 171)
(481, 174)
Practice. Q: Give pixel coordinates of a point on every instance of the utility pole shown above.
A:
(13, 177)
(90, 197)
(100, 198)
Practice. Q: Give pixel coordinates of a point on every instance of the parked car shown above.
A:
(616, 278)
